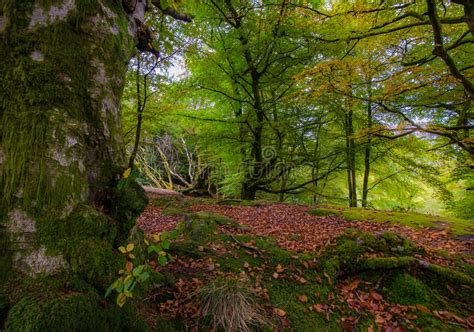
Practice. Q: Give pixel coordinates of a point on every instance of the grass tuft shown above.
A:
(228, 304)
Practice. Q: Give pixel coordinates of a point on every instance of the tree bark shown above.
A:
(61, 155)
(140, 108)
(367, 151)
(350, 153)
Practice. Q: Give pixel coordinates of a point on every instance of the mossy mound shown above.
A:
(456, 226)
(406, 289)
(400, 270)
(71, 312)
(323, 212)
(350, 254)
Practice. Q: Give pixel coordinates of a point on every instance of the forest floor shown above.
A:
(310, 269)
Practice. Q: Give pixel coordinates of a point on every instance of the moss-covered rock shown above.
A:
(173, 211)
(217, 218)
(408, 290)
(349, 253)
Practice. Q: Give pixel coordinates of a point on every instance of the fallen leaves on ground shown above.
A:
(296, 230)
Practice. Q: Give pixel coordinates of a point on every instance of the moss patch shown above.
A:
(70, 312)
(457, 226)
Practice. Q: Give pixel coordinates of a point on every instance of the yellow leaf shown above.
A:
(130, 247)
(146, 241)
(127, 172)
(121, 298)
(156, 237)
(132, 256)
(122, 250)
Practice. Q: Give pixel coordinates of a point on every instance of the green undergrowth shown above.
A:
(387, 262)
(456, 226)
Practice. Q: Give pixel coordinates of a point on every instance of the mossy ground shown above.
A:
(456, 226)
(319, 276)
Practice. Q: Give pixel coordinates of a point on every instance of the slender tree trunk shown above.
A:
(350, 152)
(368, 147)
(140, 109)
(316, 165)
(61, 154)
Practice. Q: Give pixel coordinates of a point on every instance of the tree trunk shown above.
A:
(140, 108)
(350, 152)
(61, 155)
(368, 147)
(248, 192)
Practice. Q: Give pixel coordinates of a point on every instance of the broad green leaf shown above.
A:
(137, 270)
(162, 260)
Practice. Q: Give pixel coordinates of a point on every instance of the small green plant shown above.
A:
(137, 269)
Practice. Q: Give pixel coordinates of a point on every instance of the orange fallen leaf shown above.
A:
(376, 296)
(422, 308)
(318, 308)
(246, 265)
(279, 312)
(303, 298)
(275, 275)
(279, 268)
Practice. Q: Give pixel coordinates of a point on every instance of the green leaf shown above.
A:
(128, 283)
(144, 276)
(165, 244)
(162, 260)
(165, 4)
(138, 270)
(173, 234)
(154, 248)
(109, 290)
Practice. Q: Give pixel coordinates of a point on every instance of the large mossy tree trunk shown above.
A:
(61, 154)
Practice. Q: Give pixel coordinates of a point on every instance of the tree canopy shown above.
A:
(311, 101)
